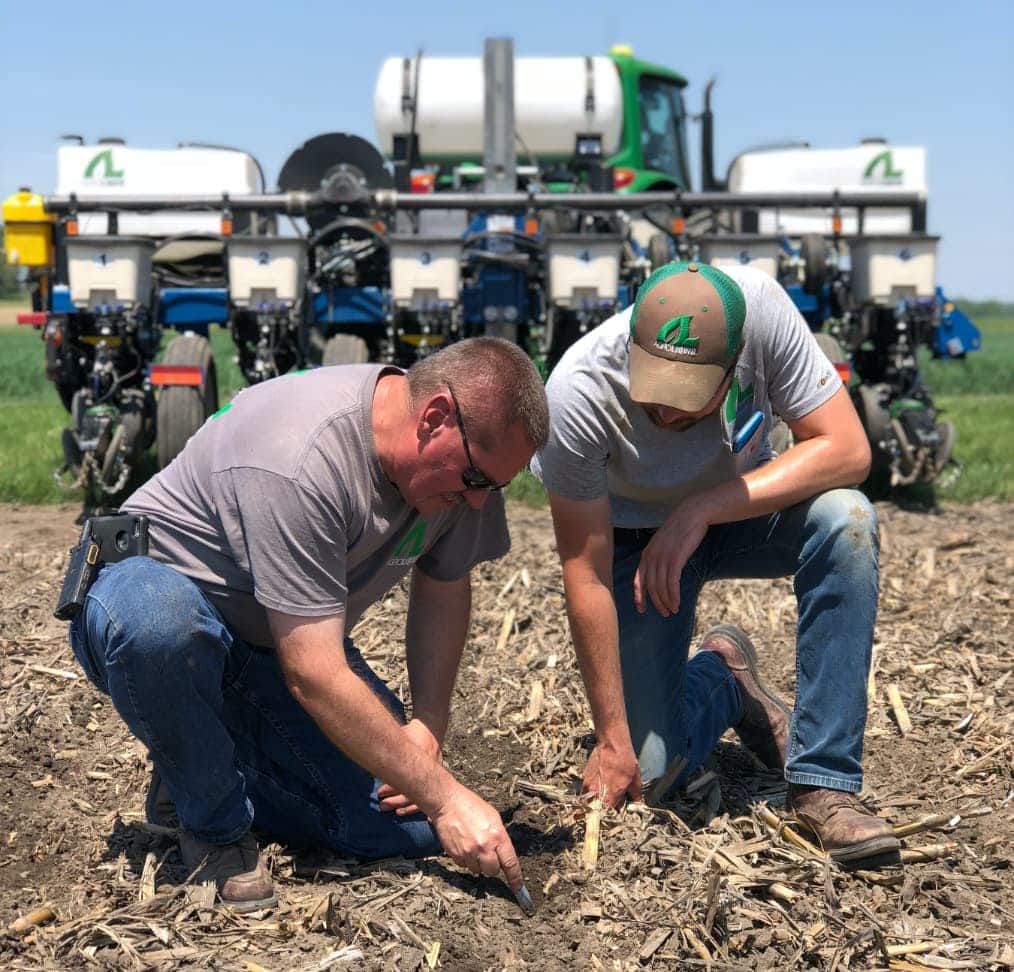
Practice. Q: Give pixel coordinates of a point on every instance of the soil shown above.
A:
(709, 879)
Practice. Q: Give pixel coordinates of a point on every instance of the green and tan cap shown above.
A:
(685, 331)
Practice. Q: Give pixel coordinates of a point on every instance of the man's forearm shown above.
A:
(808, 468)
(435, 635)
(831, 451)
(356, 721)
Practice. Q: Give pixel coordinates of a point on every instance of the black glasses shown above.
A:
(471, 475)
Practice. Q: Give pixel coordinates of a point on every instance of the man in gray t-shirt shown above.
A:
(226, 650)
(661, 476)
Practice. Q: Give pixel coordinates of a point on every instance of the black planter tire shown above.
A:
(658, 251)
(183, 409)
(813, 249)
(345, 349)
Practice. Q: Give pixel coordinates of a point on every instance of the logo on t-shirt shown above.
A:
(675, 336)
(735, 399)
(411, 547)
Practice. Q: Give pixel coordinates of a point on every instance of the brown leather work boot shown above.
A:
(764, 725)
(240, 875)
(844, 828)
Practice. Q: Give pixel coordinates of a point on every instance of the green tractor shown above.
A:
(652, 153)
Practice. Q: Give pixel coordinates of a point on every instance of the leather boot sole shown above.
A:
(865, 849)
(242, 907)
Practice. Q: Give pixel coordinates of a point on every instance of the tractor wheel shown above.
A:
(814, 253)
(183, 409)
(945, 449)
(345, 349)
(876, 421)
(55, 371)
(66, 393)
(658, 250)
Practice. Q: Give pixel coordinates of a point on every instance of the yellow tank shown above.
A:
(28, 231)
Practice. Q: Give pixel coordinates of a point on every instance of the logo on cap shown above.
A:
(681, 342)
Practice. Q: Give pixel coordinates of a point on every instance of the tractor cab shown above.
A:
(653, 146)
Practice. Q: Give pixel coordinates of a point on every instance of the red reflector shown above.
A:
(422, 182)
(177, 375)
(622, 177)
(36, 320)
(844, 370)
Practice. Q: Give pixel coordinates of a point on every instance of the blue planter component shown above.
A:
(814, 307)
(60, 302)
(349, 305)
(480, 223)
(193, 308)
(498, 288)
(500, 293)
(956, 334)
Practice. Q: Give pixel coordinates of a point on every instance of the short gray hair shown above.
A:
(495, 382)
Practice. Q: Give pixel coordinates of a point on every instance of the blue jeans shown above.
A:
(230, 742)
(830, 546)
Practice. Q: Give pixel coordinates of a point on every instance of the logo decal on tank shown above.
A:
(109, 175)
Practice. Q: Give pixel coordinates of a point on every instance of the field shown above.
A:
(711, 880)
(977, 394)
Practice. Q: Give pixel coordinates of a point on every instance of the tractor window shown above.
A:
(662, 124)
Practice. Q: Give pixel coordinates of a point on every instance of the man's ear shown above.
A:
(434, 415)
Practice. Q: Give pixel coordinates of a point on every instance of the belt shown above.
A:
(627, 537)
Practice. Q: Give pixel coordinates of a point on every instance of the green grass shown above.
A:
(985, 446)
(525, 488)
(30, 449)
(230, 378)
(977, 395)
(985, 372)
(32, 418)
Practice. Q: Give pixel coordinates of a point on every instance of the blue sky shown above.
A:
(267, 76)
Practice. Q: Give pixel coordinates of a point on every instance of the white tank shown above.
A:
(550, 95)
(109, 169)
(872, 168)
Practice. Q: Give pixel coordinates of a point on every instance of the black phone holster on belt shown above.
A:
(104, 540)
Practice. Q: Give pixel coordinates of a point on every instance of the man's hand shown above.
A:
(473, 835)
(420, 736)
(612, 774)
(665, 556)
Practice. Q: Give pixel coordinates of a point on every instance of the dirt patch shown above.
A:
(703, 882)
(9, 313)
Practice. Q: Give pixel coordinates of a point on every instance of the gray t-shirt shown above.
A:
(279, 501)
(601, 442)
